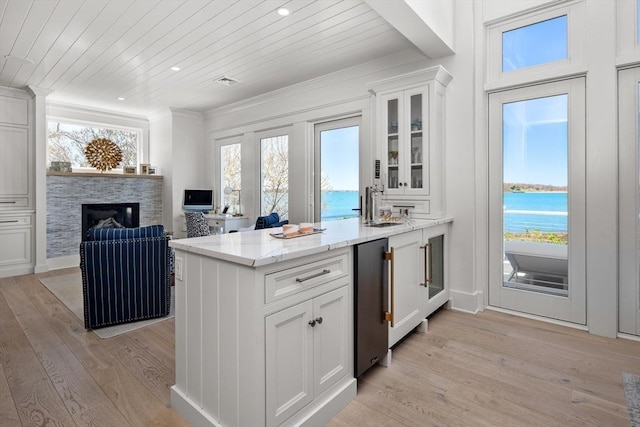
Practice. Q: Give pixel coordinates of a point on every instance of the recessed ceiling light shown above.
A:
(121, 98)
(175, 68)
(283, 11)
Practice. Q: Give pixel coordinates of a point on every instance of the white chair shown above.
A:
(537, 259)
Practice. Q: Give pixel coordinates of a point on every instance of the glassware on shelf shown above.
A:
(393, 158)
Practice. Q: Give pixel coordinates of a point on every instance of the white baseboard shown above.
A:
(63, 262)
(466, 302)
(15, 271)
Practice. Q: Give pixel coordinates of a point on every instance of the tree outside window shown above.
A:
(230, 166)
(67, 142)
(275, 176)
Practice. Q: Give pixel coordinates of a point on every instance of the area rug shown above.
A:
(68, 289)
(631, 385)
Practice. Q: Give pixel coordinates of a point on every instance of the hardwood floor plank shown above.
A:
(131, 398)
(8, 414)
(84, 400)
(36, 399)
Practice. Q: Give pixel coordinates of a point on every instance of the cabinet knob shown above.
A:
(319, 320)
(312, 323)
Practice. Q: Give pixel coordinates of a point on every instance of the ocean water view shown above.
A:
(535, 210)
(339, 204)
(545, 211)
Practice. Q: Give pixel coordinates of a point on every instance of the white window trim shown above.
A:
(138, 131)
(628, 48)
(573, 65)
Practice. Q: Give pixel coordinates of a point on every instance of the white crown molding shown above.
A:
(57, 109)
(186, 113)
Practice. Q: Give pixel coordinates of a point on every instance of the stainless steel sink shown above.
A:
(383, 224)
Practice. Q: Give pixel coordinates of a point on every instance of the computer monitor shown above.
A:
(198, 200)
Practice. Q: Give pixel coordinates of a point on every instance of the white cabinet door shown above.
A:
(331, 338)
(14, 161)
(289, 361)
(406, 292)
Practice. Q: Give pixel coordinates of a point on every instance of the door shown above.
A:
(371, 285)
(289, 361)
(331, 337)
(434, 269)
(337, 169)
(406, 292)
(537, 200)
(629, 200)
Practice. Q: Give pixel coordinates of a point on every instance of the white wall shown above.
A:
(297, 108)
(178, 149)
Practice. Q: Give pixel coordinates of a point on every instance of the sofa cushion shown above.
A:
(267, 221)
(125, 233)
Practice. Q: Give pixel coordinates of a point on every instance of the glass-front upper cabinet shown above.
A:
(405, 141)
(410, 117)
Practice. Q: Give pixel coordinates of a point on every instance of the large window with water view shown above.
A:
(535, 209)
(339, 185)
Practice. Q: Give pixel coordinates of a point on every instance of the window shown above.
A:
(230, 179)
(337, 183)
(67, 141)
(535, 44)
(544, 44)
(274, 174)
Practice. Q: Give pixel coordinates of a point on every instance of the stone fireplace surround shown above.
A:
(66, 193)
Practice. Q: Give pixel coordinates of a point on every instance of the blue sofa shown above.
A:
(270, 221)
(125, 275)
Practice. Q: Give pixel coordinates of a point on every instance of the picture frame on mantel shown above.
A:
(144, 168)
(129, 170)
(152, 170)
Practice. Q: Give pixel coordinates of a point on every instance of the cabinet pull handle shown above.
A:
(388, 315)
(428, 278)
(313, 276)
(312, 323)
(319, 320)
(5, 222)
(11, 201)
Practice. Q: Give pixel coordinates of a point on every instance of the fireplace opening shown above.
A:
(109, 215)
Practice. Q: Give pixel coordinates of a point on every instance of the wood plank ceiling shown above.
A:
(95, 51)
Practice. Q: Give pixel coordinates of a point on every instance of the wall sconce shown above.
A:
(228, 190)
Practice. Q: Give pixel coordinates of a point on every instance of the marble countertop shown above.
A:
(256, 248)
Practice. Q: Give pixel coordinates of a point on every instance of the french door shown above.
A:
(629, 200)
(337, 169)
(537, 200)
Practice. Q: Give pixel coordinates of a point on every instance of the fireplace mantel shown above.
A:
(67, 192)
(103, 175)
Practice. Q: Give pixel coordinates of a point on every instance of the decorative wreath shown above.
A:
(103, 154)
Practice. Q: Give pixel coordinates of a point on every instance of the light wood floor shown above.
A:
(490, 369)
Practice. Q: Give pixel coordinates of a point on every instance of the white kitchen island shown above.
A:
(264, 326)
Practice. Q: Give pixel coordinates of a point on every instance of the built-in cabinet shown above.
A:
(410, 140)
(16, 183)
(271, 345)
(417, 278)
(307, 351)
